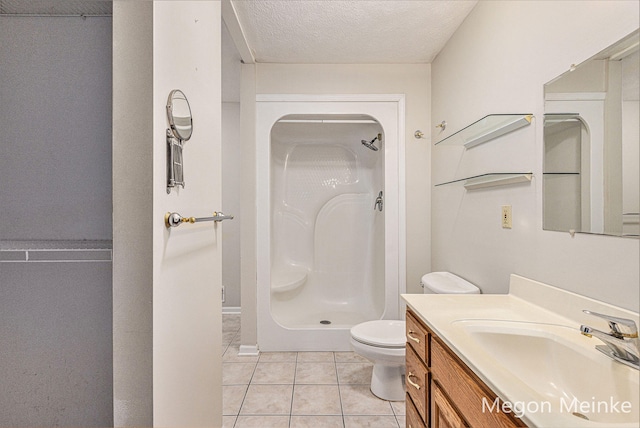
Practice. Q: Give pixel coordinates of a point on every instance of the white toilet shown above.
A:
(383, 341)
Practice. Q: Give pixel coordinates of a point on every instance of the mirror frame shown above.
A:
(175, 130)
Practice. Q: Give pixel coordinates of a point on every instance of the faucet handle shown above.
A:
(621, 327)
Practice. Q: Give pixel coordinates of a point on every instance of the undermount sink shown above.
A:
(563, 372)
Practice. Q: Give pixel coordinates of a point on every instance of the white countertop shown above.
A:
(527, 302)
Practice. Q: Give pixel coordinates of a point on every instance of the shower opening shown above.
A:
(327, 246)
(330, 235)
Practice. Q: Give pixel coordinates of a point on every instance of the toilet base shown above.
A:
(387, 382)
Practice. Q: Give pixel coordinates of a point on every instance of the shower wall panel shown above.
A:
(326, 236)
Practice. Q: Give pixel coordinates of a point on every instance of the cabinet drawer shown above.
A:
(466, 391)
(413, 417)
(417, 383)
(418, 337)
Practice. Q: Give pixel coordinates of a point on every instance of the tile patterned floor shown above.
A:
(299, 389)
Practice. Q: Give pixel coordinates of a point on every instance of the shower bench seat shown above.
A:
(287, 280)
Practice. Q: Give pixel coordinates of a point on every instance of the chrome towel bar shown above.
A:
(175, 219)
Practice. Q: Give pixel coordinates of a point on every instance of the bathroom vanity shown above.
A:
(441, 388)
(514, 360)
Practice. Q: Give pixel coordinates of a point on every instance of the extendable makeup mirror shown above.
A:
(180, 130)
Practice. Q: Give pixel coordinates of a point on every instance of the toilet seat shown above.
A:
(380, 333)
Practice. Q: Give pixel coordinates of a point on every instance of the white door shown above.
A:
(167, 306)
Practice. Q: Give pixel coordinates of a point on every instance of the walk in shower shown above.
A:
(327, 212)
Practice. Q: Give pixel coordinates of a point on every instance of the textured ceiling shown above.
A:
(357, 31)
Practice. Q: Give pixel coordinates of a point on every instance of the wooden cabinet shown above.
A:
(444, 414)
(442, 392)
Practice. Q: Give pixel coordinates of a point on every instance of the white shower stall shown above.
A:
(329, 230)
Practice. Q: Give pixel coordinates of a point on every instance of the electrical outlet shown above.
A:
(506, 216)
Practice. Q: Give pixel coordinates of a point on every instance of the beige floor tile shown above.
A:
(231, 356)
(228, 337)
(237, 373)
(349, 357)
(236, 340)
(274, 373)
(230, 328)
(354, 373)
(316, 373)
(370, 422)
(228, 421)
(318, 357)
(316, 400)
(267, 400)
(262, 422)
(278, 357)
(230, 323)
(402, 420)
(358, 400)
(316, 422)
(399, 407)
(232, 397)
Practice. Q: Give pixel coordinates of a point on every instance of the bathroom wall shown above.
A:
(167, 310)
(231, 203)
(231, 170)
(55, 175)
(410, 79)
(503, 70)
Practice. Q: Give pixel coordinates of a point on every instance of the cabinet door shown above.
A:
(465, 391)
(444, 415)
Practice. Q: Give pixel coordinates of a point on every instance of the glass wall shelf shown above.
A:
(561, 173)
(486, 129)
(491, 180)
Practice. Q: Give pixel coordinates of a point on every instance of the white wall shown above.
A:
(410, 79)
(248, 209)
(231, 155)
(167, 323)
(231, 171)
(497, 62)
(132, 241)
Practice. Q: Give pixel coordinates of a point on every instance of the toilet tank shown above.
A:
(446, 283)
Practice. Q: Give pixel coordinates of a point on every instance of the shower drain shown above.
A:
(325, 322)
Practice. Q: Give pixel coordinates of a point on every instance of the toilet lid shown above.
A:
(385, 333)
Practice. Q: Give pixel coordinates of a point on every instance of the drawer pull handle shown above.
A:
(415, 385)
(415, 339)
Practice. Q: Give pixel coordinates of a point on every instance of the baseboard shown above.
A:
(248, 350)
(231, 309)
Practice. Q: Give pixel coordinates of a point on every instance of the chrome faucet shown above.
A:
(622, 341)
(379, 202)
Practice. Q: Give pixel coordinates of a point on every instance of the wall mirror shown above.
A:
(179, 115)
(591, 140)
(179, 131)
